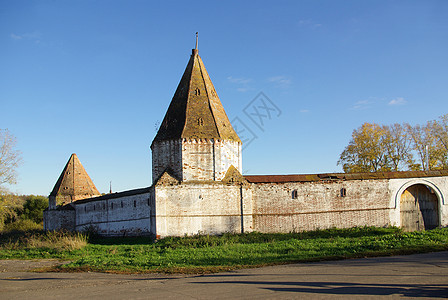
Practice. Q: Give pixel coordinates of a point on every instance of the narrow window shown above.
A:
(135, 203)
(343, 192)
(294, 194)
(200, 122)
(197, 91)
(85, 208)
(121, 204)
(112, 206)
(94, 208)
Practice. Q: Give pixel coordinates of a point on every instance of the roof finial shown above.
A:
(196, 41)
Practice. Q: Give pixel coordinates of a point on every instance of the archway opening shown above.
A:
(419, 208)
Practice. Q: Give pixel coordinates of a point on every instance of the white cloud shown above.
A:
(16, 37)
(280, 81)
(375, 101)
(398, 101)
(31, 36)
(242, 82)
(362, 104)
(309, 23)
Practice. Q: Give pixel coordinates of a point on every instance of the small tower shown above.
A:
(195, 140)
(73, 184)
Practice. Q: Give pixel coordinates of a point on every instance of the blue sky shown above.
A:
(96, 77)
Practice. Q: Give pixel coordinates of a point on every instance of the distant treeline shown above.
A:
(397, 147)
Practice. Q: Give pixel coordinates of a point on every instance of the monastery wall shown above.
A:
(57, 219)
(320, 205)
(209, 159)
(208, 208)
(166, 154)
(119, 214)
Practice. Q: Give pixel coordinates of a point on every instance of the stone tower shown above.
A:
(195, 141)
(73, 184)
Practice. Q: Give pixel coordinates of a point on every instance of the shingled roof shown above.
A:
(74, 183)
(195, 111)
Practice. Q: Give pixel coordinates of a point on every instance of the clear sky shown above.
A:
(96, 77)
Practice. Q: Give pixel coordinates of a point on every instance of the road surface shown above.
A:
(414, 276)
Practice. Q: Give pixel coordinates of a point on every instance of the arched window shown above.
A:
(343, 192)
(294, 194)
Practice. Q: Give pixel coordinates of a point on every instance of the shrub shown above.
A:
(34, 207)
(22, 225)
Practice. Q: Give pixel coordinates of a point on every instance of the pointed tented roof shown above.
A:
(74, 183)
(195, 110)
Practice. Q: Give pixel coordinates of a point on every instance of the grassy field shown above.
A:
(203, 254)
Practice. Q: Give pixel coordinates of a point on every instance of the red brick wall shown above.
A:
(320, 205)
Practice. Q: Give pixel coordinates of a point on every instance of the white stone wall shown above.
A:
(319, 205)
(166, 154)
(196, 159)
(208, 159)
(59, 219)
(438, 184)
(209, 208)
(115, 216)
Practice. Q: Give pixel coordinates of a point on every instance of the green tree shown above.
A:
(34, 207)
(10, 207)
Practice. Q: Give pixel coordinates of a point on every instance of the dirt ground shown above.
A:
(16, 265)
(411, 276)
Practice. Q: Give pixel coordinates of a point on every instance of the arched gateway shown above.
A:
(419, 208)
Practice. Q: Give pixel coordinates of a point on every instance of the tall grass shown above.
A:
(35, 239)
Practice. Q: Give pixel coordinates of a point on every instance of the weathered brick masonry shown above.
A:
(320, 205)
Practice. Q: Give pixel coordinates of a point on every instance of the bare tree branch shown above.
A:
(10, 158)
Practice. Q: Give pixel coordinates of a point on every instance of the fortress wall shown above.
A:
(167, 154)
(209, 208)
(59, 219)
(227, 153)
(320, 205)
(209, 159)
(115, 216)
(197, 159)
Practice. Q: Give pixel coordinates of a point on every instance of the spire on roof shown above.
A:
(74, 183)
(196, 41)
(195, 110)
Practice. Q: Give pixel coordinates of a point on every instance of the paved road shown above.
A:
(414, 276)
